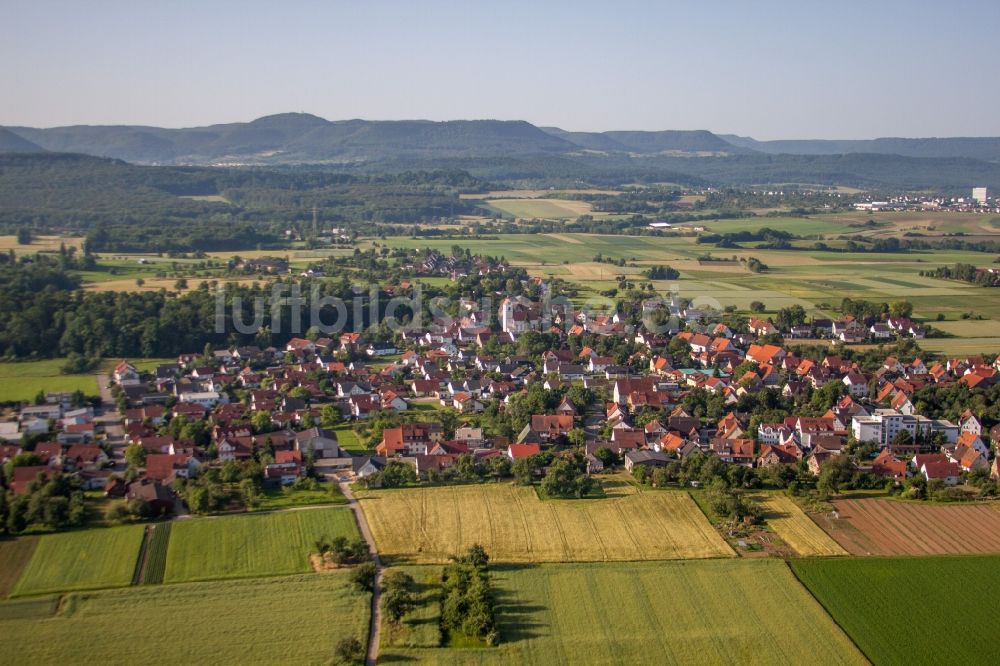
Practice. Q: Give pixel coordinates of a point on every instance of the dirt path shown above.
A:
(140, 565)
(374, 629)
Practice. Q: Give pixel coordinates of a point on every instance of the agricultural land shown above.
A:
(892, 607)
(884, 527)
(705, 612)
(267, 544)
(514, 525)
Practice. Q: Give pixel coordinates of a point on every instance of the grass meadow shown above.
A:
(21, 381)
(907, 610)
(701, 612)
(514, 525)
(90, 559)
(266, 544)
(296, 619)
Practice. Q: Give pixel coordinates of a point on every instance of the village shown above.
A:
(437, 395)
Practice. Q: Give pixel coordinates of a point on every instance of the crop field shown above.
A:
(903, 610)
(707, 612)
(83, 560)
(429, 524)
(552, 209)
(156, 556)
(22, 381)
(266, 544)
(887, 527)
(14, 557)
(296, 619)
(40, 244)
(796, 529)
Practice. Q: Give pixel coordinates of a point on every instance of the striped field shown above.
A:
(797, 529)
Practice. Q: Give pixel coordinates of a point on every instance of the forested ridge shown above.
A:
(124, 207)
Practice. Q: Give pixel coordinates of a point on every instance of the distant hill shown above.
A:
(980, 148)
(695, 141)
(302, 138)
(12, 143)
(299, 137)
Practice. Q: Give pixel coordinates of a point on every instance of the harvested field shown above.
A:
(887, 527)
(796, 529)
(430, 524)
(14, 556)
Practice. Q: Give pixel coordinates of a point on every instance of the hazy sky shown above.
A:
(768, 69)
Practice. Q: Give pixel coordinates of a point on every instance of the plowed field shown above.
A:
(884, 527)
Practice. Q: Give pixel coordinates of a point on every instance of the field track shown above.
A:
(886, 527)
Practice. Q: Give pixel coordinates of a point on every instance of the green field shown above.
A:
(296, 619)
(708, 612)
(907, 610)
(553, 209)
(83, 560)
(14, 557)
(22, 381)
(267, 544)
(156, 557)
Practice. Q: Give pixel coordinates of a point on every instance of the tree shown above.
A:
(330, 416)
(349, 651)
(250, 492)
(476, 556)
(363, 576)
(135, 455)
(567, 478)
(260, 421)
(498, 467)
(901, 309)
(397, 595)
(524, 469)
(606, 456)
(396, 474)
(836, 473)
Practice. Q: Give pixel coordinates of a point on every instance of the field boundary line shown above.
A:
(823, 606)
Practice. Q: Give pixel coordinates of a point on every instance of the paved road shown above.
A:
(105, 391)
(374, 630)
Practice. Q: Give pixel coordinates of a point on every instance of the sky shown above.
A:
(770, 69)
